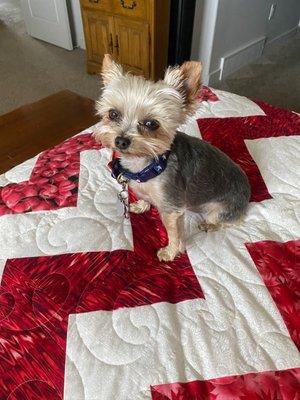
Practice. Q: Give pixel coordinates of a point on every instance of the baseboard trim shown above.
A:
(214, 77)
(238, 58)
(282, 36)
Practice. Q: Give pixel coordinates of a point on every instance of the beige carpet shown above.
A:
(31, 69)
(273, 78)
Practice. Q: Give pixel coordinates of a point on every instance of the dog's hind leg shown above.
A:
(212, 220)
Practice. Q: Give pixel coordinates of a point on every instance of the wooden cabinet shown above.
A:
(98, 35)
(132, 52)
(134, 32)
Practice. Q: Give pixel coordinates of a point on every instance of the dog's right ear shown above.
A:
(110, 70)
(186, 78)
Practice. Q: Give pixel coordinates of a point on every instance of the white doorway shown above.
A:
(48, 21)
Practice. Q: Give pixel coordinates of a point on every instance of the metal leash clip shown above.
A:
(123, 194)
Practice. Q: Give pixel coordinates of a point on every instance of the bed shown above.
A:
(89, 313)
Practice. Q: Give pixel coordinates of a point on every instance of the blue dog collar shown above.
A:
(155, 168)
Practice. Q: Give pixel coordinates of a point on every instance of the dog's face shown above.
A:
(140, 117)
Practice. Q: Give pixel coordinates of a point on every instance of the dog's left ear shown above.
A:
(110, 70)
(187, 80)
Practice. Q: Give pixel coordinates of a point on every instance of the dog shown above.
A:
(139, 119)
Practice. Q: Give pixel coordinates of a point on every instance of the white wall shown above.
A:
(203, 34)
(233, 32)
(239, 22)
(76, 23)
(286, 18)
(199, 8)
(12, 2)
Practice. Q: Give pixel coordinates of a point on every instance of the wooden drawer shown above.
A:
(101, 5)
(131, 8)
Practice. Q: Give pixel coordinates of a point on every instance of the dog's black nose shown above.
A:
(122, 143)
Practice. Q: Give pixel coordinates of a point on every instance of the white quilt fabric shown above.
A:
(237, 328)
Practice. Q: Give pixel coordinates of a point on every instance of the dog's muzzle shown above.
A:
(122, 143)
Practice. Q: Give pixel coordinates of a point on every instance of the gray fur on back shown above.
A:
(198, 173)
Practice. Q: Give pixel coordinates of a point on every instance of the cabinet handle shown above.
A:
(111, 44)
(129, 7)
(117, 44)
(94, 1)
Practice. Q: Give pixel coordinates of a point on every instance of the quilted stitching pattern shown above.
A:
(82, 258)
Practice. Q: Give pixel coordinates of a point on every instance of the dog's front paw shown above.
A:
(206, 227)
(167, 253)
(139, 207)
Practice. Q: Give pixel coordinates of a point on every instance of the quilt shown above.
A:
(87, 312)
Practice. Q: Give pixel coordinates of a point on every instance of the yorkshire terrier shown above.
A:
(166, 168)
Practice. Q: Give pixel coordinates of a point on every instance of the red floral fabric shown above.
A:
(206, 94)
(53, 182)
(229, 135)
(272, 385)
(279, 266)
(47, 289)
(38, 293)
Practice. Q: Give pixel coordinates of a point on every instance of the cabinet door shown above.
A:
(132, 45)
(98, 29)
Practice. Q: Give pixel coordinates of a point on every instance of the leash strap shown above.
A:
(124, 198)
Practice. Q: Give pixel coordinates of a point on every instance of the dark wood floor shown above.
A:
(35, 127)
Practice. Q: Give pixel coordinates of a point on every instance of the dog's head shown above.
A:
(140, 117)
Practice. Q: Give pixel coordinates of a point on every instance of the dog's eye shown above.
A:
(151, 124)
(114, 115)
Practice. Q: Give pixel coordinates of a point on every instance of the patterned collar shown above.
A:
(155, 168)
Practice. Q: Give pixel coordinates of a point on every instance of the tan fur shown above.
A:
(186, 79)
(110, 70)
(206, 227)
(211, 213)
(173, 223)
(150, 191)
(139, 207)
(107, 133)
(169, 102)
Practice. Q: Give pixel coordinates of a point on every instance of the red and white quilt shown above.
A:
(87, 312)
